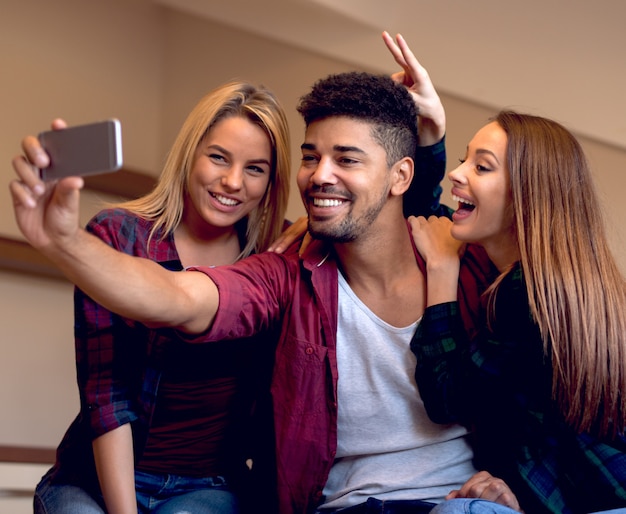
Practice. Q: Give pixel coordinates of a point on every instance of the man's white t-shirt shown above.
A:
(387, 447)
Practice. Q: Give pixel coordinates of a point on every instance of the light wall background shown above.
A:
(146, 65)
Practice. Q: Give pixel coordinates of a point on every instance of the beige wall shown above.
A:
(86, 61)
(147, 66)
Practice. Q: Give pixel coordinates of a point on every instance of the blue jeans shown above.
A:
(471, 506)
(474, 506)
(156, 494)
(460, 506)
(173, 494)
(64, 499)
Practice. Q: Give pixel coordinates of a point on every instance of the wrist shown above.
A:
(442, 267)
(431, 131)
(63, 243)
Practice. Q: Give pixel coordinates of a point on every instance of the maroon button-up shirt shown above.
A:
(301, 294)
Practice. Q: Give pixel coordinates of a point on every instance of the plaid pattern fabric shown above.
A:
(109, 351)
(120, 366)
(107, 344)
(423, 196)
(499, 383)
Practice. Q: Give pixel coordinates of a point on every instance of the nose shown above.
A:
(323, 173)
(233, 178)
(457, 175)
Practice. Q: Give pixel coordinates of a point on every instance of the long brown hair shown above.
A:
(576, 292)
(164, 204)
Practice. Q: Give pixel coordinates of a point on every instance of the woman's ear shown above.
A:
(402, 175)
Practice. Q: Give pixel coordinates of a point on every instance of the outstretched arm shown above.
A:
(48, 216)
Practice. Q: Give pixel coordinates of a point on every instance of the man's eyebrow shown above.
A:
(340, 148)
(336, 148)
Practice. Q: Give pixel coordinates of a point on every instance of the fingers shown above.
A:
(22, 195)
(412, 65)
(33, 150)
(452, 495)
(403, 55)
(67, 192)
(422, 221)
(58, 124)
(306, 241)
(487, 487)
(291, 234)
(395, 50)
(29, 186)
(28, 174)
(417, 222)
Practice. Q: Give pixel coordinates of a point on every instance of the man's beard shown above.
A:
(348, 229)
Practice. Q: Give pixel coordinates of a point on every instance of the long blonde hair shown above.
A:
(165, 203)
(576, 292)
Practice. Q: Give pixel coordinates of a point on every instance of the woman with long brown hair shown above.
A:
(543, 383)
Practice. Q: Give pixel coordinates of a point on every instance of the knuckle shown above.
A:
(498, 486)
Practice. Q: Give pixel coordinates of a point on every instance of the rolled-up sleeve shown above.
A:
(253, 294)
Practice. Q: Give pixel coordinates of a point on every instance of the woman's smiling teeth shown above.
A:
(464, 202)
(326, 202)
(224, 201)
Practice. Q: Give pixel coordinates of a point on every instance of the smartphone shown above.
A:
(83, 149)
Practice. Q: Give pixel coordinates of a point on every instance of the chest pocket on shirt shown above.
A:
(300, 376)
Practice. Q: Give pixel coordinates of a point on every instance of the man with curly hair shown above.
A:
(351, 431)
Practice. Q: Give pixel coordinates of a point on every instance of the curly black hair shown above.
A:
(376, 99)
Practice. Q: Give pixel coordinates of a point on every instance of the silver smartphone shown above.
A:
(83, 149)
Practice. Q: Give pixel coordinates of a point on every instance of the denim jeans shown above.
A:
(172, 494)
(156, 494)
(64, 499)
(460, 506)
(471, 506)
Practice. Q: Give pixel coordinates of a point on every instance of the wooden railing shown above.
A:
(27, 454)
(21, 468)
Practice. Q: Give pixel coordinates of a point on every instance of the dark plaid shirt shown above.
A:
(120, 365)
(500, 384)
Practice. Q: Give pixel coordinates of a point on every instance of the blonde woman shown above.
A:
(162, 425)
(543, 383)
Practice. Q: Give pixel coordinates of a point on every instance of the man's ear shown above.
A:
(402, 175)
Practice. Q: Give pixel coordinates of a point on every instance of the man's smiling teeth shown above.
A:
(462, 200)
(225, 201)
(326, 202)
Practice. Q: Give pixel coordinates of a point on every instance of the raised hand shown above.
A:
(432, 115)
(46, 213)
